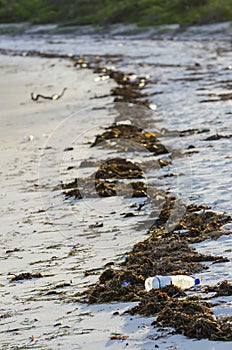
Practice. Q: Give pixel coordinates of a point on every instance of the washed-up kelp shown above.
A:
(146, 140)
(120, 169)
(194, 319)
(169, 253)
(161, 253)
(130, 138)
(221, 289)
(26, 276)
(164, 252)
(93, 188)
(105, 182)
(186, 314)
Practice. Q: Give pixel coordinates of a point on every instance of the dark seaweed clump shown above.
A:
(194, 319)
(104, 182)
(107, 181)
(222, 289)
(26, 276)
(138, 137)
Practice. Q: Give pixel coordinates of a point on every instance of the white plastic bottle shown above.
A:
(181, 281)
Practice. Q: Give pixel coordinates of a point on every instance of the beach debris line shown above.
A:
(181, 281)
(129, 85)
(162, 253)
(169, 254)
(180, 258)
(54, 97)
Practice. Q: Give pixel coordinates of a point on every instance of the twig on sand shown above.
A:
(52, 97)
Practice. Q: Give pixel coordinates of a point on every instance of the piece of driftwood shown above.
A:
(52, 97)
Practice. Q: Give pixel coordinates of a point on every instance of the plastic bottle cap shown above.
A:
(197, 281)
(125, 284)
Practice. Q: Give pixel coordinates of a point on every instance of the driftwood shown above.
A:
(52, 97)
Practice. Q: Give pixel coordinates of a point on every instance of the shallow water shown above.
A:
(55, 236)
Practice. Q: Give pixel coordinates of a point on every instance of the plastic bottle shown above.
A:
(181, 281)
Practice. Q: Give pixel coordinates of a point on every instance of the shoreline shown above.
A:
(166, 240)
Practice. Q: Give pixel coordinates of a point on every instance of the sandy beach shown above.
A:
(44, 233)
(28, 236)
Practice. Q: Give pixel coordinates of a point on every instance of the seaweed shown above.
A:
(223, 288)
(133, 133)
(163, 252)
(195, 320)
(26, 276)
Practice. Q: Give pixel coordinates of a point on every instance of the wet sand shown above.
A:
(56, 244)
